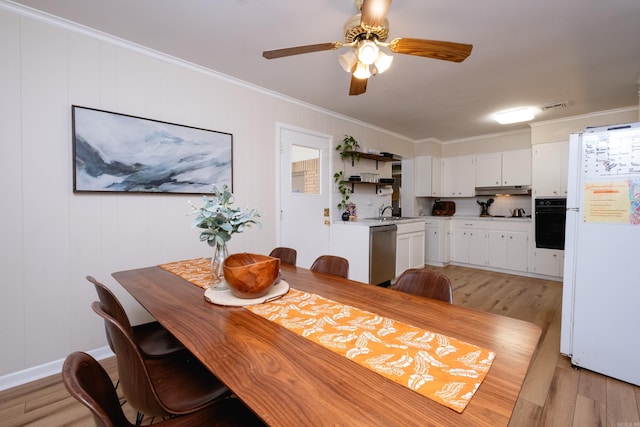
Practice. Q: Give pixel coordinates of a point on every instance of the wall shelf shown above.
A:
(376, 184)
(376, 157)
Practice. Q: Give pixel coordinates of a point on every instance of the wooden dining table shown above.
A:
(288, 380)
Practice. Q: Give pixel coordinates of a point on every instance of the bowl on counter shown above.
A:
(251, 275)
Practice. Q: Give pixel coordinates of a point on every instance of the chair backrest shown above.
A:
(112, 307)
(286, 255)
(331, 264)
(426, 283)
(86, 380)
(134, 377)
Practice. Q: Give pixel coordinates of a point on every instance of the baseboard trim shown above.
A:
(25, 376)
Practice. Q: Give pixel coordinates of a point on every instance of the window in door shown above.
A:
(305, 170)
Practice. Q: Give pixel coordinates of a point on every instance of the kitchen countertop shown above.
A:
(486, 218)
(372, 222)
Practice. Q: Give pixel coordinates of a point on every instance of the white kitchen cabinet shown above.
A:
(436, 246)
(550, 169)
(488, 170)
(477, 247)
(491, 243)
(436, 177)
(409, 246)
(508, 250)
(468, 244)
(516, 167)
(549, 262)
(433, 242)
(422, 173)
(427, 176)
(504, 168)
(459, 176)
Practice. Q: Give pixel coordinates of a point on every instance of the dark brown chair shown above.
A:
(87, 381)
(152, 339)
(160, 387)
(331, 264)
(286, 255)
(425, 283)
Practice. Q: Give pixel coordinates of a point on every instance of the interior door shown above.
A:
(305, 192)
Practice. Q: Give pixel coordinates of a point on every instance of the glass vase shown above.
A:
(217, 273)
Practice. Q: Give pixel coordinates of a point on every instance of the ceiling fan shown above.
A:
(367, 32)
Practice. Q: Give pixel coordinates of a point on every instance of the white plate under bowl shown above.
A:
(225, 297)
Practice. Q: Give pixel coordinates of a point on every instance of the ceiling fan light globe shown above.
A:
(362, 71)
(368, 52)
(348, 60)
(383, 62)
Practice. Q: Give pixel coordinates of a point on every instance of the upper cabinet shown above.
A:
(427, 176)
(459, 176)
(516, 167)
(550, 169)
(506, 168)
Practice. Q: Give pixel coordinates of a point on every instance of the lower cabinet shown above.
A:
(437, 242)
(410, 246)
(498, 244)
(468, 246)
(508, 250)
(549, 262)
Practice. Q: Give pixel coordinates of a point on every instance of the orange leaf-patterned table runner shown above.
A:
(444, 369)
(196, 271)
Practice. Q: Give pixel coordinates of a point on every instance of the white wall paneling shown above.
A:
(52, 238)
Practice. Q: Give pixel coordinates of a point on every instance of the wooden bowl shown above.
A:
(250, 275)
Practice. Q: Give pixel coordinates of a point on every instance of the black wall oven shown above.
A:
(550, 222)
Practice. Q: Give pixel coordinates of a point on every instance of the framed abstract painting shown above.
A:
(115, 152)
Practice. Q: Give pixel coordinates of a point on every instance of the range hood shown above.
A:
(513, 190)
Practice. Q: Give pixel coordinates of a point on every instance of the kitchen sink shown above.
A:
(384, 218)
(390, 218)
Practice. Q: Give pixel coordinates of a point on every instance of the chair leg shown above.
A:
(139, 418)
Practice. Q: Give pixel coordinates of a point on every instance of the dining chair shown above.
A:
(286, 255)
(426, 283)
(87, 381)
(171, 385)
(152, 338)
(331, 264)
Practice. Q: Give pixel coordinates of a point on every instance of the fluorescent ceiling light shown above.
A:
(514, 116)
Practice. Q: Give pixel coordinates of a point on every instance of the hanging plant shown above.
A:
(348, 149)
(344, 191)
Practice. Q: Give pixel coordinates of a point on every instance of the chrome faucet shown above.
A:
(383, 208)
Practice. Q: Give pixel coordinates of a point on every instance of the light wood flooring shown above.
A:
(553, 394)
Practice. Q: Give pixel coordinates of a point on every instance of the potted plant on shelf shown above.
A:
(348, 149)
(218, 221)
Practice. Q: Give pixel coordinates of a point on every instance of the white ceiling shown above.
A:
(526, 53)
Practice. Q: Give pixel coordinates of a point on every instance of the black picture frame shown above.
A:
(115, 153)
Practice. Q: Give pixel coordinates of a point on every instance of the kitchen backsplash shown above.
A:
(468, 206)
(367, 203)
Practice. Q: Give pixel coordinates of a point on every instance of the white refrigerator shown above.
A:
(601, 287)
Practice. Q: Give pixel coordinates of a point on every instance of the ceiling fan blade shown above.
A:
(374, 12)
(289, 51)
(448, 51)
(358, 86)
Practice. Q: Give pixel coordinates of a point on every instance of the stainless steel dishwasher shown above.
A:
(382, 253)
